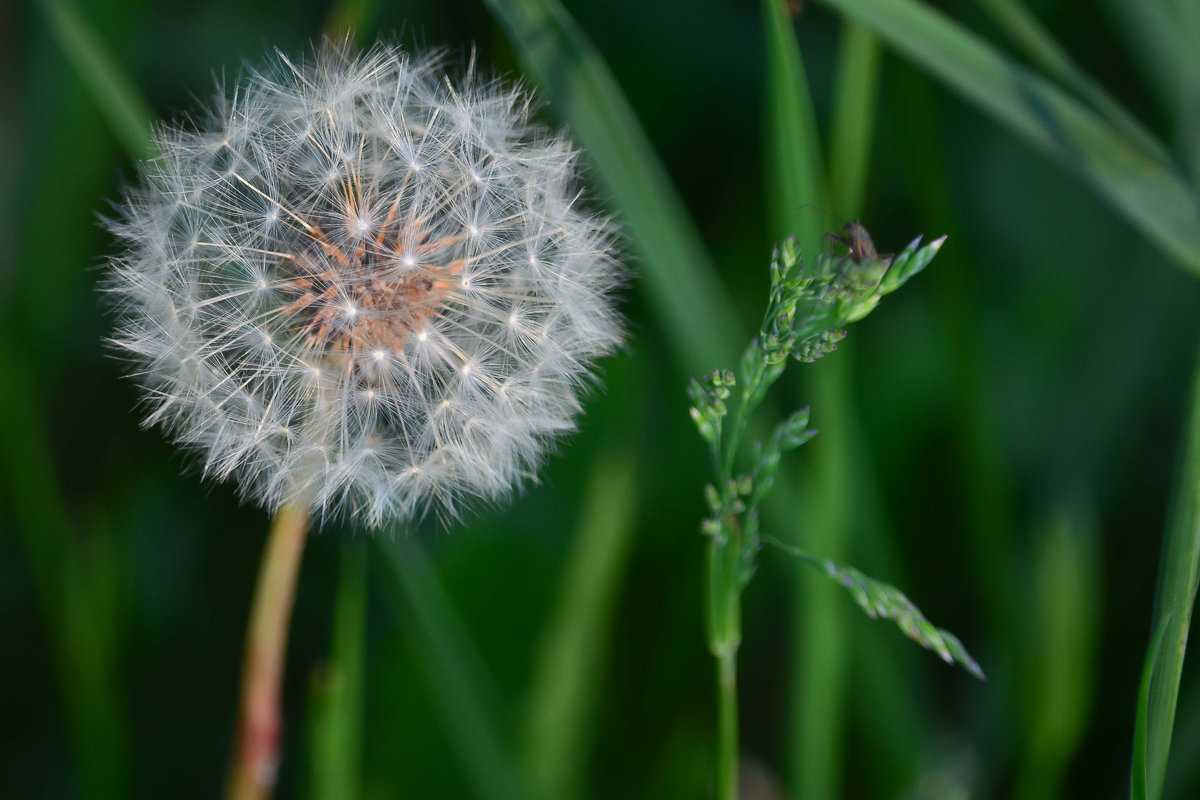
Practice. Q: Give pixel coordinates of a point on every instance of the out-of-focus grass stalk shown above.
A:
(988, 505)
(455, 674)
(568, 670)
(1187, 122)
(855, 93)
(1047, 54)
(256, 756)
(1179, 575)
(1065, 593)
(350, 17)
(1149, 192)
(675, 268)
(339, 690)
(821, 637)
(117, 98)
(797, 193)
(820, 640)
(76, 577)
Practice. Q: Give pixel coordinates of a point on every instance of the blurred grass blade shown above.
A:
(568, 672)
(455, 675)
(115, 94)
(1150, 193)
(1179, 573)
(337, 728)
(1061, 672)
(855, 93)
(1139, 784)
(77, 580)
(1040, 47)
(1151, 33)
(797, 198)
(352, 18)
(675, 269)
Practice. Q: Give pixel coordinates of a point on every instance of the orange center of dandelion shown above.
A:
(374, 290)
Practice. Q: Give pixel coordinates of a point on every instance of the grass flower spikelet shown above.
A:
(357, 285)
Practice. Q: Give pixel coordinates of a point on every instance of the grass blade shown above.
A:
(567, 674)
(1065, 587)
(796, 188)
(676, 271)
(1150, 193)
(1139, 783)
(854, 96)
(351, 18)
(338, 713)
(455, 674)
(115, 94)
(77, 581)
(1040, 47)
(1179, 574)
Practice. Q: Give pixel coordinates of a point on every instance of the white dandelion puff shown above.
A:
(356, 285)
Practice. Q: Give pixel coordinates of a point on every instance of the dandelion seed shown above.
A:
(324, 233)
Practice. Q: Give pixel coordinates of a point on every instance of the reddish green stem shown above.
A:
(255, 765)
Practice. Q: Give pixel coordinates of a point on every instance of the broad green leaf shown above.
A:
(674, 268)
(1152, 194)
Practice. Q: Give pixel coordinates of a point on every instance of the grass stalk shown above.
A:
(455, 674)
(255, 766)
(1179, 575)
(568, 672)
(338, 718)
(727, 726)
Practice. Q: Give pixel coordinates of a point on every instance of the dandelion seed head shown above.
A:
(358, 284)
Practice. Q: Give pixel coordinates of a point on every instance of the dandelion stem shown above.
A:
(260, 716)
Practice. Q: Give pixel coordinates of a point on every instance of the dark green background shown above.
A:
(1041, 363)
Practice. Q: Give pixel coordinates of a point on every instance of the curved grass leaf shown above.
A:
(1024, 29)
(675, 269)
(1152, 194)
(1139, 783)
(1179, 575)
(881, 600)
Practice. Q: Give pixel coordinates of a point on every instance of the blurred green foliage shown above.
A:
(1011, 423)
